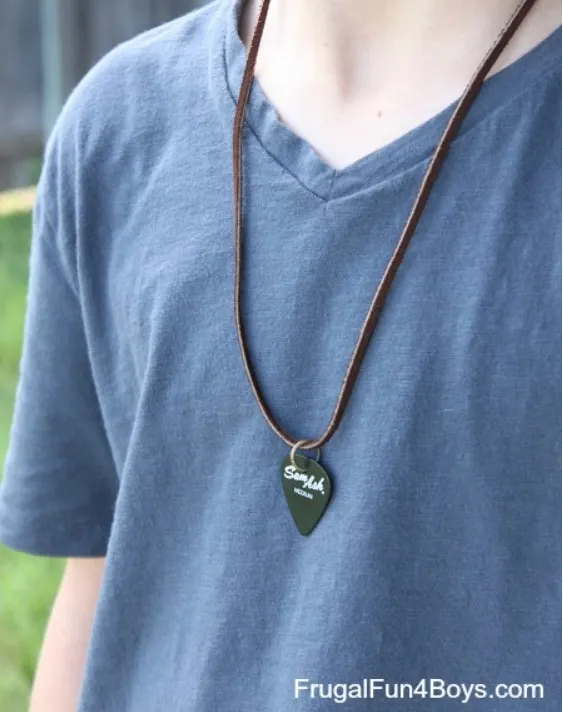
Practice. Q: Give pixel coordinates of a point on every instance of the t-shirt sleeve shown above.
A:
(59, 482)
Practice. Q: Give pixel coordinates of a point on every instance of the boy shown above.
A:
(137, 449)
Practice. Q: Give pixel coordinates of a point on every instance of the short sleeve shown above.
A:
(59, 483)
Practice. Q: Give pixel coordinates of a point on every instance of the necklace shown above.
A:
(306, 484)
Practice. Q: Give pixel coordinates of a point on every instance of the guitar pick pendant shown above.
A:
(307, 489)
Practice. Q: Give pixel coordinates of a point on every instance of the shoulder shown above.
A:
(139, 78)
(177, 46)
(129, 101)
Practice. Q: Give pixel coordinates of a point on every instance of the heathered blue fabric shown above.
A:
(136, 434)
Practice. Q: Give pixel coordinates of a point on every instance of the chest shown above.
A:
(467, 329)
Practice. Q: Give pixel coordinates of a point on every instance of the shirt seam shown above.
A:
(250, 128)
(396, 175)
(532, 85)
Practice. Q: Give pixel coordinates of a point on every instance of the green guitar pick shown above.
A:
(307, 490)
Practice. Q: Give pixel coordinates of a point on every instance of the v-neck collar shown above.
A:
(300, 159)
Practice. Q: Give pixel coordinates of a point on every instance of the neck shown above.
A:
(355, 44)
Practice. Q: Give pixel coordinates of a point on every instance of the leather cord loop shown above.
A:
(299, 445)
(420, 201)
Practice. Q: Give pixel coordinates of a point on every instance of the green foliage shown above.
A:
(34, 170)
(14, 250)
(27, 584)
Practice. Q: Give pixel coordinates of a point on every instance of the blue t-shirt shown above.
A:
(136, 434)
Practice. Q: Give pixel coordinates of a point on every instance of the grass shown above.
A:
(27, 584)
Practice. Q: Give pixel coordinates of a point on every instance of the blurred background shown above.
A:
(46, 46)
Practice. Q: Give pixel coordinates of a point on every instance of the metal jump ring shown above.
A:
(296, 447)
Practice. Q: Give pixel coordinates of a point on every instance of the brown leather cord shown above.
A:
(428, 181)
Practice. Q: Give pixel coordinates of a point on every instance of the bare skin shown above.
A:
(349, 76)
(61, 663)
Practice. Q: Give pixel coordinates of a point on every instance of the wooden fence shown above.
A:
(20, 89)
(46, 46)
